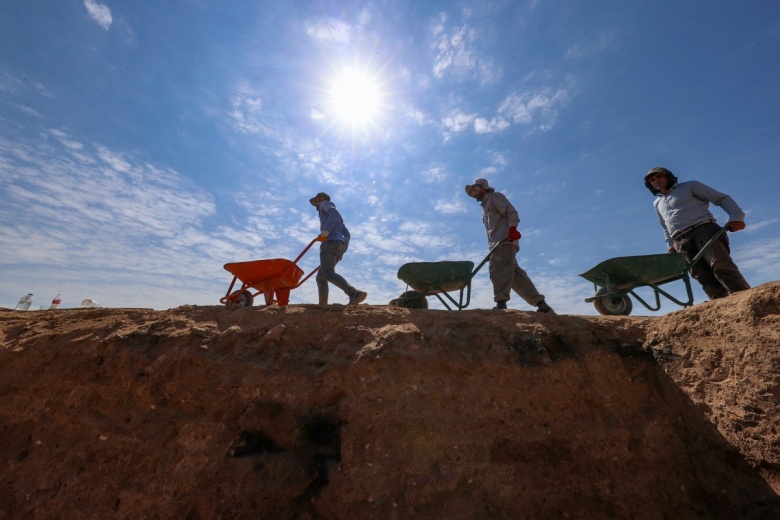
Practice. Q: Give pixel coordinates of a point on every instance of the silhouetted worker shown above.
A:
(683, 210)
(501, 221)
(334, 236)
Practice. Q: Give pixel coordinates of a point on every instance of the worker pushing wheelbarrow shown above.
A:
(615, 279)
(438, 279)
(274, 279)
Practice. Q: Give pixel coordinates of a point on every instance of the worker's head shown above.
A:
(479, 189)
(658, 179)
(315, 200)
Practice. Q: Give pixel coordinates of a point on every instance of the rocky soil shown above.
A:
(310, 412)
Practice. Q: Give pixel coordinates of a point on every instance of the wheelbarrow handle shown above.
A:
(490, 253)
(304, 251)
(707, 246)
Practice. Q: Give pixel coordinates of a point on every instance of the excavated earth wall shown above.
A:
(312, 412)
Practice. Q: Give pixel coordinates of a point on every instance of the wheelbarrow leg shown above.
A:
(227, 298)
(283, 297)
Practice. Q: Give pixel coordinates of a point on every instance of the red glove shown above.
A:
(514, 234)
(735, 225)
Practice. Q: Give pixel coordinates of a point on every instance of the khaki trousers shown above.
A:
(507, 275)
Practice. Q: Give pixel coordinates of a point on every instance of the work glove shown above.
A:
(514, 234)
(735, 225)
(322, 237)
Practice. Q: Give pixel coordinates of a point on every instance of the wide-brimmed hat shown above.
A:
(479, 182)
(320, 195)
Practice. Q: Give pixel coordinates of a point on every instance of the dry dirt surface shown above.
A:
(371, 412)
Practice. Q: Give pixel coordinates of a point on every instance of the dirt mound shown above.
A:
(725, 356)
(373, 412)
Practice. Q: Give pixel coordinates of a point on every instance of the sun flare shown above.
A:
(356, 98)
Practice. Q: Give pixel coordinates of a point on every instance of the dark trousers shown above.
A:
(717, 273)
(331, 252)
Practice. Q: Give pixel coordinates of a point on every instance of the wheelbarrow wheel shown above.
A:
(245, 299)
(614, 305)
(410, 300)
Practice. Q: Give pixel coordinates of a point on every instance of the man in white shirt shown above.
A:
(683, 211)
(501, 221)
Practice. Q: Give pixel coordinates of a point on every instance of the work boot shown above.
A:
(500, 305)
(358, 297)
(543, 307)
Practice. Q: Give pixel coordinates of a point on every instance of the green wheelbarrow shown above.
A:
(438, 279)
(616, 278)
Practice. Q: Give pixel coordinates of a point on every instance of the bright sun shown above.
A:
(356, 98)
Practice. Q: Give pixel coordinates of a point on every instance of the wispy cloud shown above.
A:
(109, 214)
(29, 111)
(330, 29)
(246, 108)
(100, 13)
(537, 109)
(752, 227)
(488, 171)
(115, 160)
(66, 141)
(498, 158)
(299, 157)
(9, 83)
(319, 162)
(761, 259)
(434, 174)
(14, 85)
(456, 123)
(590, 48)
(485, 126)
(564, 292)
(449, 207)
(457, 54)
(540, 107)
(415, 115)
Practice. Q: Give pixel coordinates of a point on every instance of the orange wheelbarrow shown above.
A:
(275, 277)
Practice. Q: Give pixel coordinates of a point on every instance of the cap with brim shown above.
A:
(655, 170)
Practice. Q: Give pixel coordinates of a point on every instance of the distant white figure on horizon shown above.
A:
(24, 302)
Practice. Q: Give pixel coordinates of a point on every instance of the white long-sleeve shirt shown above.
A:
(687, 204)
(498, 215)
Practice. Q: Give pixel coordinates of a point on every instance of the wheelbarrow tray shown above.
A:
(626, 272)
(279, 272)
(439, 279)
(273, 277)
(436, 277)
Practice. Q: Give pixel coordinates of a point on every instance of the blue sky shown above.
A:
(143, 145)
